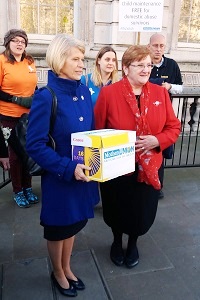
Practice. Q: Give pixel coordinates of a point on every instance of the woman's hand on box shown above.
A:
(79, 172)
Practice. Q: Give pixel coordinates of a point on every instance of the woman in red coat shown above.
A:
(130, 201)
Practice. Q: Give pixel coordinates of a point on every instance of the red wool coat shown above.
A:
(113, 111)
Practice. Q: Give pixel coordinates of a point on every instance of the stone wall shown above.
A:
(96, 23)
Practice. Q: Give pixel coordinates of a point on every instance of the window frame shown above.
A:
(185, 44)
(36, 38)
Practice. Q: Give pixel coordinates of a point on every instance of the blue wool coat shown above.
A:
(65, 200)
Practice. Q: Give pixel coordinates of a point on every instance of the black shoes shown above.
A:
(132, 257)
(70, 292)
(79, 285)
(118, 258)
(117, 254)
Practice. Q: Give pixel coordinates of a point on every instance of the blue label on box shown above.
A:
(78, 154)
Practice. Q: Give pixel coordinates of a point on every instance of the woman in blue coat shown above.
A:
(68, 198)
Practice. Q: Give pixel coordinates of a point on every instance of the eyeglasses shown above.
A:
(142, 66)
(18, 42)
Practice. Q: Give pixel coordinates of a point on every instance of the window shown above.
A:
(189, 27)
(47, 17)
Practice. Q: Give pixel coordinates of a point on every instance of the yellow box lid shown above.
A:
(104, 138)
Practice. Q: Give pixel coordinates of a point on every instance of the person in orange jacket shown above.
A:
(18, 78)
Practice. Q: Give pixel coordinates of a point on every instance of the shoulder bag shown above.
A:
(17, 139)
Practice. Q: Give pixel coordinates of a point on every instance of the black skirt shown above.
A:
(58, 233)
(129, 206)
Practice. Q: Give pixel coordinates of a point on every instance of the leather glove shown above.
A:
(22, 101)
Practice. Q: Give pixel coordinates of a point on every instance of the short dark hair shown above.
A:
(134, 53)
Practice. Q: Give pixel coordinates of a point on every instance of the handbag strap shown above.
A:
(53, 108)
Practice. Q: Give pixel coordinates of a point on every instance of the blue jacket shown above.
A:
(94, 90)
(65, 200)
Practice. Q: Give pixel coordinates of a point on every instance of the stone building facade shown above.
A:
(96, 23)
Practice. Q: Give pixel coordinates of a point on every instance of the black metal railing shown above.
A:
(4, 177)
(187, 147)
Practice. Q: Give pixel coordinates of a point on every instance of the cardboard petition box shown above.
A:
(110, 153)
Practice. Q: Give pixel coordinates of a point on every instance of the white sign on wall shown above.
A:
(140, 15)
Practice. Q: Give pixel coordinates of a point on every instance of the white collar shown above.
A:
(160, 63)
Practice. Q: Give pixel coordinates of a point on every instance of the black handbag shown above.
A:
(168, 152)
(17, 139)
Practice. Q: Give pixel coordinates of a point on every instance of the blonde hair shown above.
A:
(96, 74)
(134, 53)
(58, 51)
